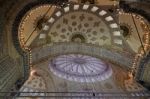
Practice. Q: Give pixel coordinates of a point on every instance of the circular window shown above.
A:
(125, 30)
(80, 68)
(78, 38)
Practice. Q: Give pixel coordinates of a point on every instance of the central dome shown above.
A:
(80, 68)
(79, 61)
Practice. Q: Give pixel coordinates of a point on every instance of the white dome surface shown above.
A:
(80, 68)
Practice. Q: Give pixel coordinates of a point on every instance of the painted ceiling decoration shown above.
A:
(35, 84)
(95, 24)
(135, 24)
(126, 30)
(136, 42)
(79, 38)
(79, 23)
(32, 23)
(80, 68)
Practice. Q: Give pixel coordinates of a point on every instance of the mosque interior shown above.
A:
(74, 49)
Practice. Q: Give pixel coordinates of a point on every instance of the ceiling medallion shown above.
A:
(80, 68)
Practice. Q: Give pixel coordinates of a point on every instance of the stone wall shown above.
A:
(146, 75)
(11, 64)
(8, 73)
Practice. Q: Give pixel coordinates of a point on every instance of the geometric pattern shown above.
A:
(80, 68)
(34, 84)
(29, 22)
(89, 29)
(85, 9)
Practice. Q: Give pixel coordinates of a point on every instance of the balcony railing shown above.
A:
(77, 95)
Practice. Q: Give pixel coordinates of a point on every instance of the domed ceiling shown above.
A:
(80, 68)
(91, 27)
(82, 23)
